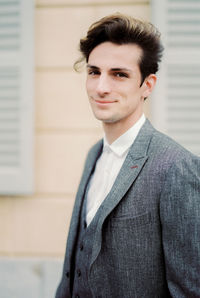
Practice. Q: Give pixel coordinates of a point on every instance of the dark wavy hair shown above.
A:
(122, 29)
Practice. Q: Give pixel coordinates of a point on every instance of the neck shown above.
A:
(114, 130)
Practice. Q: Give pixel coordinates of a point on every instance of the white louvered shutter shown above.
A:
(176, 100)
(16, 96)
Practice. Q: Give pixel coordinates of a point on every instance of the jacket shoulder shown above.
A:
(166, 146)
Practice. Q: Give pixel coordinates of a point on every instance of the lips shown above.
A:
(104, 101)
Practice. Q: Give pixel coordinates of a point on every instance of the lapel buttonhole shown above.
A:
(134, 167)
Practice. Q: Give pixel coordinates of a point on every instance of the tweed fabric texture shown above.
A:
(147, 238)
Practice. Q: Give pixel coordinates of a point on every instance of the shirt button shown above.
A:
(67, 274)
(78, 272)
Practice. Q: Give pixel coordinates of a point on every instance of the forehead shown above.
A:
(112, 55)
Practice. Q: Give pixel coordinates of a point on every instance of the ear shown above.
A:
(149, 84)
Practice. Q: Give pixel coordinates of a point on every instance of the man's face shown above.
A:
(113, 83)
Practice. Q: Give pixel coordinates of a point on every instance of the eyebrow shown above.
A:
(112, 69)
(92, 66)
(121, 69)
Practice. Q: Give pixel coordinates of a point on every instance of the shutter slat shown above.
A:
(179, 23)
(16, 96)
(183, 24)
(9, 25)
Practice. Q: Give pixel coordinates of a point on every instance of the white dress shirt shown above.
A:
(108, 167)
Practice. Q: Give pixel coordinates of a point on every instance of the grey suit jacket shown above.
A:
(147, 242)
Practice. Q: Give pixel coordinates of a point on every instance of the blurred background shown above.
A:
(46, 126)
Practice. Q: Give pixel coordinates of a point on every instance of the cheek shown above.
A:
(134, 92)
(128, 93)
(89, 86)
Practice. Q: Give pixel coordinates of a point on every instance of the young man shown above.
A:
(135, 228)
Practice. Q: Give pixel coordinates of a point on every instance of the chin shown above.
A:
(107, 120)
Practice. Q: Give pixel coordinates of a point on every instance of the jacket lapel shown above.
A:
(89, 167)
(131, 168)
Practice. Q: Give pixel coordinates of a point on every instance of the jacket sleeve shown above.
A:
(180, 218)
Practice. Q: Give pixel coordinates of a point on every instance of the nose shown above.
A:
(103, 86)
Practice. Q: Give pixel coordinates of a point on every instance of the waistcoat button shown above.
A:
(67, 274)
(81, 246)
(78, 272)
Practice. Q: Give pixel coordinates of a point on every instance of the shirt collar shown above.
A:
(121, 145)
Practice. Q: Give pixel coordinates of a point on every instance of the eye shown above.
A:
(92, 72)
(121, 74)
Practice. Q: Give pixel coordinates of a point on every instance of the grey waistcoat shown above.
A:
(82, 256)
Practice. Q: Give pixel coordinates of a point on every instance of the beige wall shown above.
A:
(64, 127)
